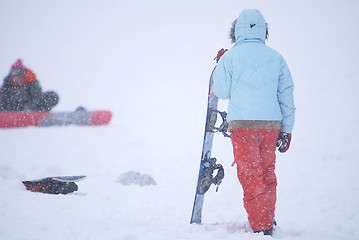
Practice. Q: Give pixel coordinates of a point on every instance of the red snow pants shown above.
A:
(254, 153)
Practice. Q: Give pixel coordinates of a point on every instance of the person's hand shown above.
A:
(283, 141)
(219, 54)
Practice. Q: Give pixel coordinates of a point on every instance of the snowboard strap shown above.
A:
(223, 128)
(206, 179)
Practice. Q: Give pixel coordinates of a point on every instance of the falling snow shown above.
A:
(149, 63)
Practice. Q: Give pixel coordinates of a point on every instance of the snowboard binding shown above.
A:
(211, 122)
(206, 179)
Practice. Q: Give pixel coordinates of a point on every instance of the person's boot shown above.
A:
(266, 232)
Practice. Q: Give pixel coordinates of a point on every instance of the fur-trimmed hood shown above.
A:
(250, 25)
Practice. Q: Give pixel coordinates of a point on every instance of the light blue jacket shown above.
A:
(254, 77)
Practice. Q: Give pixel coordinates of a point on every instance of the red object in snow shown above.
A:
(45, 119)
(21, 119)
(101, 118)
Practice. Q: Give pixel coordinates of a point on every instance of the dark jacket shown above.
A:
(20, 98)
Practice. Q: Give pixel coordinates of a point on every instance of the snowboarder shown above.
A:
(21, 91)
(261, 110)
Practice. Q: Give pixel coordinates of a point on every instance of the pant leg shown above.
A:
(248, 156)
(268, 140)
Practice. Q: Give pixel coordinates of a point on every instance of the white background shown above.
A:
(149, 63)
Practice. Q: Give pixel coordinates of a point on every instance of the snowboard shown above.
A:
(80, 117)
(60, 178)
(208, 164)
(54, 185)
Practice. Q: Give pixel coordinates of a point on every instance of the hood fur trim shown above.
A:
(232, 35)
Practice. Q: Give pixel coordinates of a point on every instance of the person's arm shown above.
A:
(222, 78)
(35, 93)
(5, 94)
(286, 98)
(1, 102)
(286, 102)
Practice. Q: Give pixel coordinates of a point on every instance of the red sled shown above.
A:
(80, 117)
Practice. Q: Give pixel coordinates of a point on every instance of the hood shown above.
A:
(250, 25)
(29, 76)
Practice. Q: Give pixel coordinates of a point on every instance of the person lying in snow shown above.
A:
(21, 91)
(261, 110)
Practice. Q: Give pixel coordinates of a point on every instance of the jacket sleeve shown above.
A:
(222, 78)
(35, 93)
(6, 95)
(1, 100)
(286, 98)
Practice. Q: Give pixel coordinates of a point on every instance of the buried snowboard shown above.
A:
(208, 164)
(80, 117)
(54, 185)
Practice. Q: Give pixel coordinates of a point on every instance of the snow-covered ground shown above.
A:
(149, 62)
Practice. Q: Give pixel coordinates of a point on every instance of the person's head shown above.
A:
(17, 73)
(20, 75)
(249, 25)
